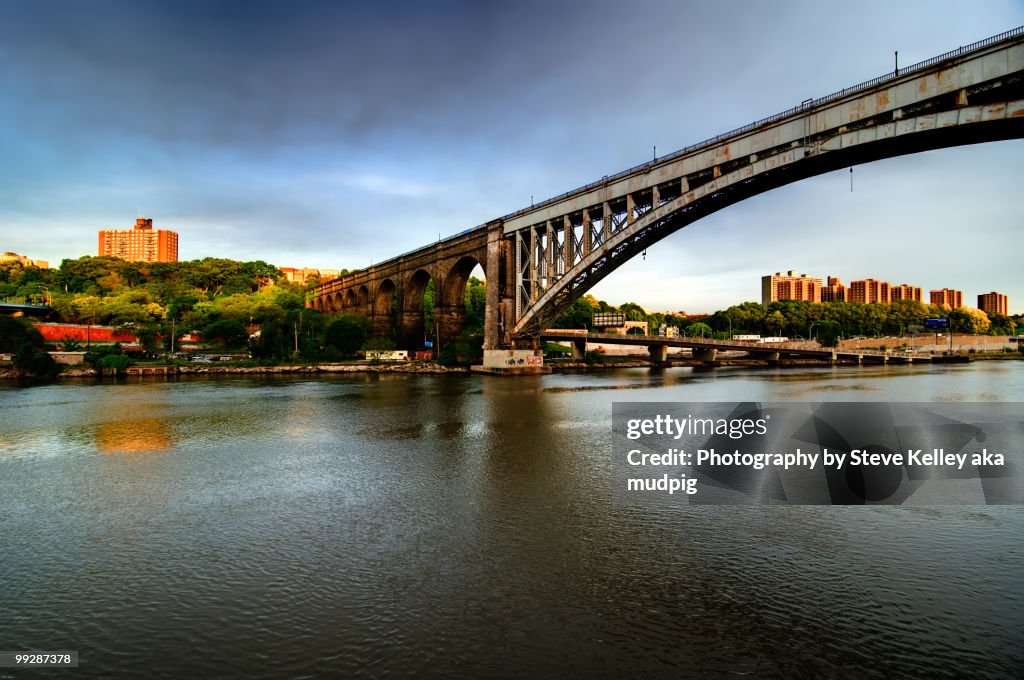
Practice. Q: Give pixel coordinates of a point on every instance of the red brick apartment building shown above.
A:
(947, 296)
(868, 291)
(791, 286)
(993, 303)
(141, 243)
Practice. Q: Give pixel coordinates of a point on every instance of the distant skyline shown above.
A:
(333, 135)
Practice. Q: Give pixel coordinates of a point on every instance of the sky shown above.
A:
(334, 135)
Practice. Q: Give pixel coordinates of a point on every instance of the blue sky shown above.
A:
(339, 134)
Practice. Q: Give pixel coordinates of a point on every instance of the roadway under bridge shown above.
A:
(540, 259)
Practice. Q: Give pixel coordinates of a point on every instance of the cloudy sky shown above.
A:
(336, 134)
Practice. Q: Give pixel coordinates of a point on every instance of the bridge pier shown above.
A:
(497, 311)
(579, 349)
(659, 353)
(410, 329)
(449, 319)
(383, 325)
(705, 354)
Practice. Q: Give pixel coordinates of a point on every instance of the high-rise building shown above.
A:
(141, 243)
(834, 290)
(947, 296)
(993, 303)
(869, 290)
(792, 286)
(905, 292)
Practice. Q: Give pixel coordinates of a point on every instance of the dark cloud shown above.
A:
(264, 126)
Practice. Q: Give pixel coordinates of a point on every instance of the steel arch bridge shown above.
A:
(539, 260)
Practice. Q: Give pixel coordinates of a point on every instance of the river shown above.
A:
(462, 526)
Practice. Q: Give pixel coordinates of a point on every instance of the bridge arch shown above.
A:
(450, 309)
(362, 300)
(412, 331)
(350, 301)
(455, 280)
(642, 225)
(542, 258)
(382, 313)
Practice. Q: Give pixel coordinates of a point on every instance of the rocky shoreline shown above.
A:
(86, 372)
(11, 373)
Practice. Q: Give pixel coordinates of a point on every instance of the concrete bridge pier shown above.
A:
(579, 349)
(705, 354)
(659, 353)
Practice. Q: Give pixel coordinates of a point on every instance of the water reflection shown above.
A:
(463, 526)
(134, 435)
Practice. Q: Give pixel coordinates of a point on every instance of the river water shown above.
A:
(462, 526)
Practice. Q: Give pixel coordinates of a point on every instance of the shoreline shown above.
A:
(172, 370)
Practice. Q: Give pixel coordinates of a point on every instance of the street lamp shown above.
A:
(810, 330)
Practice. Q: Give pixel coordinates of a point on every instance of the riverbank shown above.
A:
(423, 367)
(206, 369)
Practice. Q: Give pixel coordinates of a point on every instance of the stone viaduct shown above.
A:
(540, 259)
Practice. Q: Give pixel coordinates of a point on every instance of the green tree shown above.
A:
(580, 314)
(633, 312)
(828, 333)
(148, 336)
(227, 332)
(969, 320)
(273, 341)
(699, 329)
(476, 302)
(26, 343)
(346, 334)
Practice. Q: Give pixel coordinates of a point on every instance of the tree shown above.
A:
(1001, 325)
(228, 332)
(346, 334)
(274, 340)
(828, 333)
(148, 336)
(26, 343)
(476, 302)
(969, 320)
(633, 312)
(699, 329)
(580, 314)
(775, 321)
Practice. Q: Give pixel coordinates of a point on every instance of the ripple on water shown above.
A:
(355, 528)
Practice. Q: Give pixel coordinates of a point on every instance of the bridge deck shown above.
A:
(787, 348)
